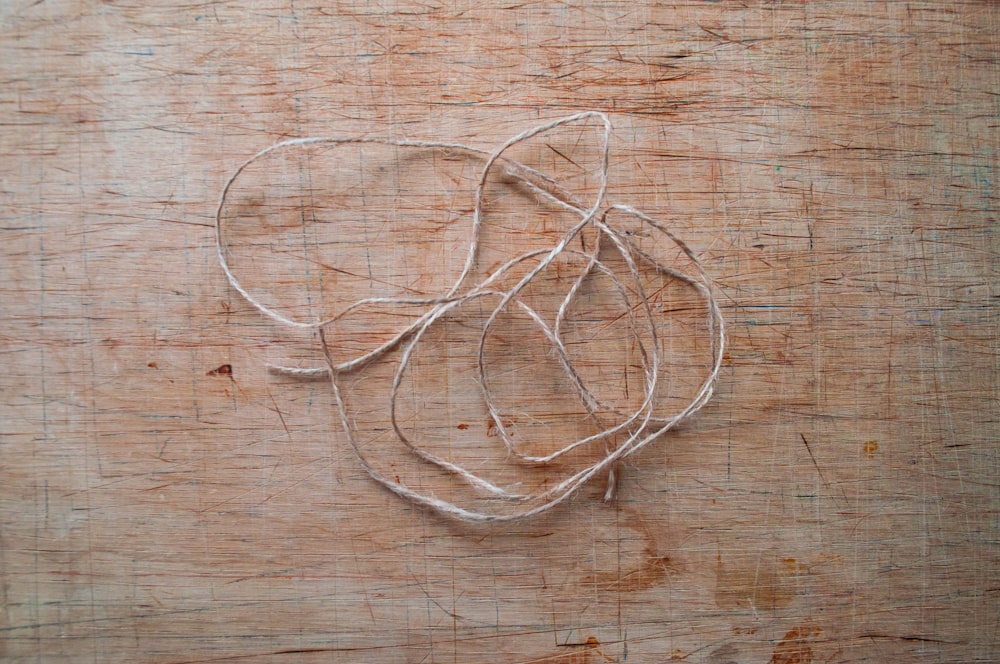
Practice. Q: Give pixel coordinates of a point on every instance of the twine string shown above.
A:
(639, 427)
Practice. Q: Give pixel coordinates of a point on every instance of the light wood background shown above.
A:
(833, 164)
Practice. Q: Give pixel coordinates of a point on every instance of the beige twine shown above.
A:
(641, 425)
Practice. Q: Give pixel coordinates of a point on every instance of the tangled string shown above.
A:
(634, 429)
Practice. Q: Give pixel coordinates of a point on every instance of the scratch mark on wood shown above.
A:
(809, 449)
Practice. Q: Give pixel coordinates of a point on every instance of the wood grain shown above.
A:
(834, 167)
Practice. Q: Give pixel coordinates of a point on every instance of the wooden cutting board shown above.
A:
(164, 499)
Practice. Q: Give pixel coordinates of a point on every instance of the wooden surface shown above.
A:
(834, 167)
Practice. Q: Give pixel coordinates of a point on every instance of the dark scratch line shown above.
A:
(564, 156)
(280, 415)
(809, 449)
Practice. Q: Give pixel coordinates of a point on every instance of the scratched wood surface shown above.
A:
(162, 498)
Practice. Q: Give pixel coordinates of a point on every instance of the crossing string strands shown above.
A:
(623, 432)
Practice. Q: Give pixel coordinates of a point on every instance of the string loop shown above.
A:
(634, 429)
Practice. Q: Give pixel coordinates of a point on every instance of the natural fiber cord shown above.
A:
(639, 427)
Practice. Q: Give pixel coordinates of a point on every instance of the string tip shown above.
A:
(612, 491)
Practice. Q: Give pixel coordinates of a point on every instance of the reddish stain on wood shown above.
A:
(870, 448)
(794, 647)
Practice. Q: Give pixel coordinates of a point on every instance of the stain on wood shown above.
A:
(870, 448)
(794, 647)
(629, 575)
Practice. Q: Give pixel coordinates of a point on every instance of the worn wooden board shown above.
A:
(832, 164)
